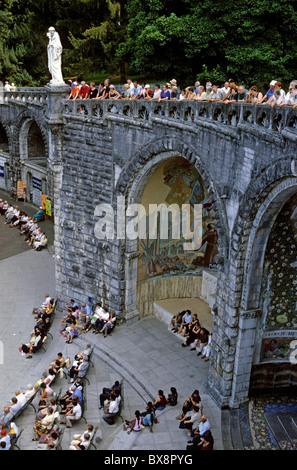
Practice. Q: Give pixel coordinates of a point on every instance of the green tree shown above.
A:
(94, 46)
(250, 40)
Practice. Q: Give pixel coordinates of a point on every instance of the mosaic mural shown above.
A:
(178, 182)
(279, 285)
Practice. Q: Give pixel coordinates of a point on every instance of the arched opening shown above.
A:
(165, 266)
(33, 157)
(4, 145)
(32, 145)
(276, 345)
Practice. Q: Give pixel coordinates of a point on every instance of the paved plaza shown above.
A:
(146, 355)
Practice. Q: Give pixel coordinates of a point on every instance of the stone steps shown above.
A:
(236, 433)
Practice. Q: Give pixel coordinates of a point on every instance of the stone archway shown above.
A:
(32, 152)
(238, 295)
(131, 183)
(4, 142)
(31, 143)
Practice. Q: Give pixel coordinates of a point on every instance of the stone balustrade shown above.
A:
(190, 112)
(26, 95)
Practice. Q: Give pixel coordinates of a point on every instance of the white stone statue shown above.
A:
(54, 53)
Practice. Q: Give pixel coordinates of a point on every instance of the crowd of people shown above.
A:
(81, 318)
(191, 418)
(228, 93)
(38, 336)
(28, 226)
(197, 336)
(53, 409)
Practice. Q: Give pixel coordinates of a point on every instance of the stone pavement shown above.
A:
(47, 225)
(147, 355)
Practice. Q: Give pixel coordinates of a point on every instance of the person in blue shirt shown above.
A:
(165, 93)
(78, 393)
(85, 311)
(187, 318)
(270, 92)
(135, 91)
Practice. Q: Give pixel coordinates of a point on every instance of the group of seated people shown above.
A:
(196, 423)
(27, 226)
(52, 410)
(110, 399)
(81, 318)
(66, 408)
(188, 325)
(47, 406)
(38, 336)
(148, 417)
(229, 92)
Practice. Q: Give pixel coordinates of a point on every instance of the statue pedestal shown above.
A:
(55, 96)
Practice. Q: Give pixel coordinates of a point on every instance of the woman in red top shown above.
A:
(160, 402)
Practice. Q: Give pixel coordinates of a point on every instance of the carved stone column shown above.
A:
(247, 327)
(131, 312)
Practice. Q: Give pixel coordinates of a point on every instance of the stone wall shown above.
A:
(166, 288)
(99, 150)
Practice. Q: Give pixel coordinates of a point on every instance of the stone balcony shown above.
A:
(26, 96)
(233, 115)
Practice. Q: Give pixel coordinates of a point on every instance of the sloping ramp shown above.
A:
(283, 427)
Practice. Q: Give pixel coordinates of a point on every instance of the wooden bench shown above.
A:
(93, 438)
(83, 405)
(61, 432)
(28, 403)
(14, 442)
(84, 377)
(121, 404)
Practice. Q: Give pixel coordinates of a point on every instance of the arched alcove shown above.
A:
(32, 144)
(4, 144)
(135, 192)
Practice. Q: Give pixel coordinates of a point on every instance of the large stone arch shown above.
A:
(7, 131)
(131, 183)
(30, 160)
(21, 128)
(238, 296)
(261, 204)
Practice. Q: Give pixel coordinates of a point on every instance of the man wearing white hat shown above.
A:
(270, 92)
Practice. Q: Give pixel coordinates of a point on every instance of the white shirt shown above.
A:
(104, 315)
(21, 399)
(113, 407)
(77, 411)
(29, 393)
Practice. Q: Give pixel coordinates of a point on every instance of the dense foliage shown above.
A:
(250, 40)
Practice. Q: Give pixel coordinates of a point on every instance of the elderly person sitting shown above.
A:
(45, 425)
(40, 215)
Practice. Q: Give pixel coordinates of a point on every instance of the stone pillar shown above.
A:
(55, 125)
(55, 96)
(247, 327)
(131, 262)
